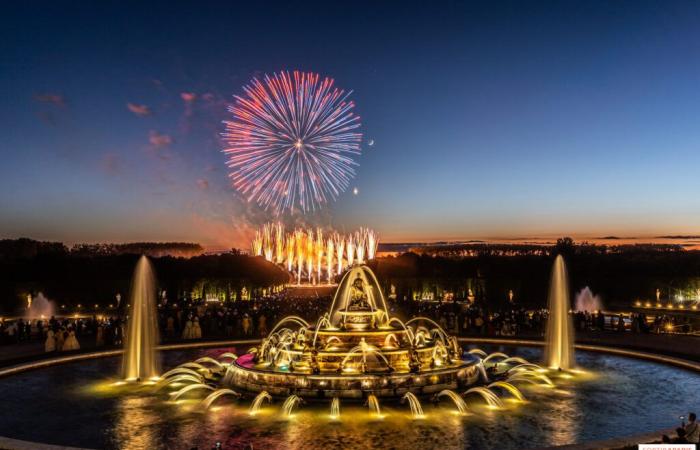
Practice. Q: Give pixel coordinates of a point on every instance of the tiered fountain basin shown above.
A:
(353, 351)
(247, 377)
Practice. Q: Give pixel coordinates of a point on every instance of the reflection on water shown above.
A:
(359, 429)
(566, 416)
(136, 422)
(607, 401)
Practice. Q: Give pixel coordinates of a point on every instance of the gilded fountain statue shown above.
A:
(355, 350)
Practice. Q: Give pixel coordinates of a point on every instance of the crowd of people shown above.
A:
(187, 319)
(63, 334)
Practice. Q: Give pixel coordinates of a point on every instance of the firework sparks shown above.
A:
(311, 254)
(292, 142)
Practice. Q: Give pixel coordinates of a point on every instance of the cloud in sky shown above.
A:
(51, 99)
(158, 140)
(159, 144)
(188, 97)
(139, 110)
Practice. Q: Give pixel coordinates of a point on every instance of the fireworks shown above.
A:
(292, 142)
(311, 255)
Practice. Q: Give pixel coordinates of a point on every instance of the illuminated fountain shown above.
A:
(459, 402)
(39, 307)
(335, 408)
(373, 405)
(587, 301)
(291, 403)
(353, 351)
(257, 402)
(559, 345)
(414, 403)
(211, 398)
(140, 361)
(356, 351)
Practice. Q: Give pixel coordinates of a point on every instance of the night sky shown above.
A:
(490, 119)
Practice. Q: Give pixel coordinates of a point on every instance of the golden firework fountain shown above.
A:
(312, 256)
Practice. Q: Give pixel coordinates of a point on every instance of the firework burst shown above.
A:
(292, 142)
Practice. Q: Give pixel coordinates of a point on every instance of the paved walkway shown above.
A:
(679, 346)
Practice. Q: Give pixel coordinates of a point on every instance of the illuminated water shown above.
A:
(140, 361)
(77, 405)
(559, 337)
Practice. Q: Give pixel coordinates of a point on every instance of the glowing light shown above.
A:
(559, 351)
(313, 255)
(140, 361)
(293, 141)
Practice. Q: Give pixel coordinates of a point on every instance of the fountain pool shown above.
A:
(79, 404)
(357, 378)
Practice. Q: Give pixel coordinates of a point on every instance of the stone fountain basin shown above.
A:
(73, 404)
(248, 378)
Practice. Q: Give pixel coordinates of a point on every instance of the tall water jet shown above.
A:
(140, 362)
(39, 307)
(587, 301)
(335, 408)
(559, 345)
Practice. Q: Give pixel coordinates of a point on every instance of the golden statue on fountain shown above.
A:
(359, 312)
(358, 297)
